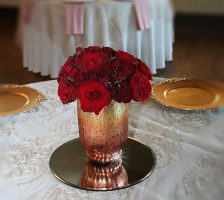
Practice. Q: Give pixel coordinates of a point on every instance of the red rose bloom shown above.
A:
(68, 70)
(67, 93)
(77, 59)
(145, 69)
(107, 55)
(109, 52)
(129, 69)
(93, 97)
(103, 76)
(122, 93)
(113, 65)
(79, 50)
(96, 75)
(140, 86)
(67, 67)
(121, 55)
(73, 73)
(91, 76)
(62, 80)
(91, 61)
(120, 76)
(92, 49)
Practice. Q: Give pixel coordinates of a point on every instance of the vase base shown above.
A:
(101, 176)
(100, 157)
(69, 164)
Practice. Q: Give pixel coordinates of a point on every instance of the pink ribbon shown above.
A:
(74, 18)
(142, 14)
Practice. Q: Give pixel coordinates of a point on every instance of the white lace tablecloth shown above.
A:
(189, 148)
(107, 23)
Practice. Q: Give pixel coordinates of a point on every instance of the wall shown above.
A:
(215, 7)
(9, 3)
(182, 6)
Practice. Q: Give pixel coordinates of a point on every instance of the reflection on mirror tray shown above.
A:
(98, 176)
(69, 164)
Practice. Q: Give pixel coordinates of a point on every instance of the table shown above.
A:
(107, 23)
(188, 146)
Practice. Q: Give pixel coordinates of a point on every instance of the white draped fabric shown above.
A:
(188, 146)
(107, 23)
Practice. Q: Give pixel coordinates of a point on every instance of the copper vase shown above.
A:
(104, 135)
(104, 176)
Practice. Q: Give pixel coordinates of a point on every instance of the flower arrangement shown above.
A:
(97, 75)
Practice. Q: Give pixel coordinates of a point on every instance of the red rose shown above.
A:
(78, 80)
(121, 55)
(135, 61)
(93, 97)
(129, 68)
(77, 59)
(91, 61)
(120, 76)
(79, 50)
(63, 80)
(67, 66)
(103, 76)
(114, 65)
(73, 73)
(97, 74)
(67, 93)
(108, 51)
(140, 86)
(92, 49)
(122, 93)
(69, 70)
(107, 55)
(91, 76)
(145, 69)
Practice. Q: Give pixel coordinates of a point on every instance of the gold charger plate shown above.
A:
(16, 99)
(189, 94)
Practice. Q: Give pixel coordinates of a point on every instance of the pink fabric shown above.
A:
(142, 14)
(74, 18)
(26, 11)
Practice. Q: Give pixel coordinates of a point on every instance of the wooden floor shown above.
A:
(11, 66)
(198, 51)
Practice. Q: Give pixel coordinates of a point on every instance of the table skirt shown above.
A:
(46, 46)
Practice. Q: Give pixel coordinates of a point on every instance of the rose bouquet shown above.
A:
(97, 75)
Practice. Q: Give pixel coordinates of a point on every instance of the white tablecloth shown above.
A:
(107, 23)
(188, 145)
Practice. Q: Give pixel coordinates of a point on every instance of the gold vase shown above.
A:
(104, 135)
(104, 176)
